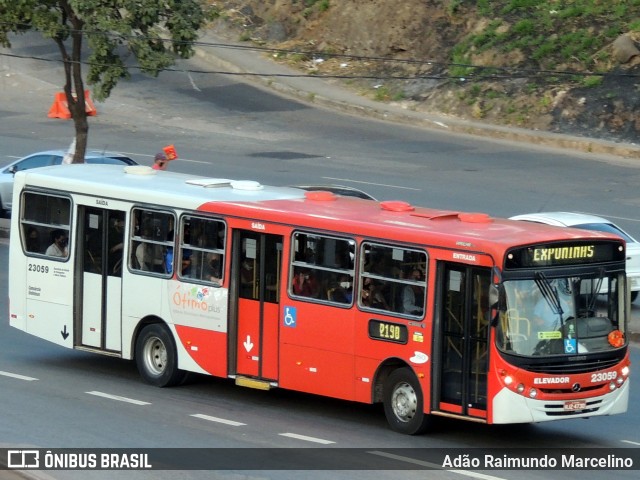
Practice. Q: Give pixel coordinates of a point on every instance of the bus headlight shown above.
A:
(520, 388)
(625, 371)
(533, 393)
(619, 381)
(612, 386)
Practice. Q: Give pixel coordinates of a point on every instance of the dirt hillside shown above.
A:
(406, 50)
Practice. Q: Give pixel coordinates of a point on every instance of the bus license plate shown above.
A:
(574, 405)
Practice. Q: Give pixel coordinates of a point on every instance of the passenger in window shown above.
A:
(33, 240)
(309, 256)
(214, 267)
(305, 284)
(247, 278)
(186, 263)
(383, 265)
(373, 296)
(144, 251)
(413, 295)
(116, 244)
(343, 293)
(220, 236)
(58, 247)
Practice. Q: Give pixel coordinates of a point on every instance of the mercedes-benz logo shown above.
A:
(575, 387)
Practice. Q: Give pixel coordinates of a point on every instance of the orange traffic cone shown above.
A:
(60, 107)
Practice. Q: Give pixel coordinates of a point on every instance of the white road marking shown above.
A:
(630, 442)
(193, 83)
(435, 466)
(118, 398)
(187, 160)
(346, 180)
(19, 377)
(306, 439)
(218, 420)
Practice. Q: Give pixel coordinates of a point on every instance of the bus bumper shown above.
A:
(511, 407)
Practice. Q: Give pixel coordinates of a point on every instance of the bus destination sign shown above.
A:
(548, 255)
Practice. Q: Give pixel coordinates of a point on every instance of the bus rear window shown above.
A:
(45, 224)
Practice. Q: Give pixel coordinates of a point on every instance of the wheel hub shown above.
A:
(404, 402)
(156, 355)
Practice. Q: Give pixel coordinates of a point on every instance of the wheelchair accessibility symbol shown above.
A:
(570, 345)
(290, 317)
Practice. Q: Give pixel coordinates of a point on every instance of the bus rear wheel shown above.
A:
(403, 403)
(156, 357)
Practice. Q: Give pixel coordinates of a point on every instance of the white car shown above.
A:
(591, 222)
(44, 159)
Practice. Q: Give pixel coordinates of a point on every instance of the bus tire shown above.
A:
(157, 358)
(403, 403)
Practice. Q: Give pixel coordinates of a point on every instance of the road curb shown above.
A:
(399, 115)
(329, 94)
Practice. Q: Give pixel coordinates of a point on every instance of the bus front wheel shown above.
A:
(403, 403)
(156, 357)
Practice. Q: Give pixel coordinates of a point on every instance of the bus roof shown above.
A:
(393, 220)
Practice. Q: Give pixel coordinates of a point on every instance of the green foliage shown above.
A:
(593, 81)
(384, 94)
(315, 5)
(154, 32)
(525, 27)
(547, 33)
(323, 5)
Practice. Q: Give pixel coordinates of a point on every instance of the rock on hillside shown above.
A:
(419, 36)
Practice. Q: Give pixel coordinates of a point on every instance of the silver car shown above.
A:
(591, 222)
(44, 159)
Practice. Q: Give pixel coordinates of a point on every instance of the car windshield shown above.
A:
(559, 316)
(606, 227)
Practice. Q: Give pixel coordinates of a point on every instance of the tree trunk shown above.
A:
(74, 85)
(82, 132)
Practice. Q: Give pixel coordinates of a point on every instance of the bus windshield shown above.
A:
(559, 316)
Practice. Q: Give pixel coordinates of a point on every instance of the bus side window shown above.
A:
(322, 268)
(393, 279)
(151, 239)
(201, 249)
(43, 217)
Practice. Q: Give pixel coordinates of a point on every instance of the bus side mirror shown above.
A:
(494, 300)
(494, 296)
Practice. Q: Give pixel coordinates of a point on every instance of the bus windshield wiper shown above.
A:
(595, 291)
(549, 293)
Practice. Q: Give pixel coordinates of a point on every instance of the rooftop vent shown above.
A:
(320, 195)
(396, 206)
(475, 218)
(246, 185)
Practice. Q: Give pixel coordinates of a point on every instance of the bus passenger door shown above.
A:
(257, 274)
(462, 340)
(101, 241)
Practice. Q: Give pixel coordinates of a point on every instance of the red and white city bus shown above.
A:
(429, 312)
